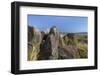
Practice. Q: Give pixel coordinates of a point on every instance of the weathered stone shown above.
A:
(52, 45)
(49, 47)
(34, 40)
(68, 52)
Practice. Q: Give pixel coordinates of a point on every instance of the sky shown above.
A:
(63, 23)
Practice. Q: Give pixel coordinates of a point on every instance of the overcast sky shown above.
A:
(63, 23)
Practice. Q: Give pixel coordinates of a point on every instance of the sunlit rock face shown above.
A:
(34, 40)
(54, 38)
(49, 45)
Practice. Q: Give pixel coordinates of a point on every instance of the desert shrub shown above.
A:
(83, 51)
(33, 52)
(77, 55)
(78, 42)
(69, 41)
(82, 38)
(65, 39)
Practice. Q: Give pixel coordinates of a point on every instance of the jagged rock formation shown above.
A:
(34, 40)
(53, 45)
(49, 45)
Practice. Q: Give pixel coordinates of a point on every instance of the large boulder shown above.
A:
(53, 46)
(68, 52)
(34, 40)
(49, 45)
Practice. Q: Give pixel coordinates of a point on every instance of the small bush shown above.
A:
(83, 51)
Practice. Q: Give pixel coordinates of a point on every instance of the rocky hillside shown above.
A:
(53, 45)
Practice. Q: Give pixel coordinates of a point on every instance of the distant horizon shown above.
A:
(66, 24)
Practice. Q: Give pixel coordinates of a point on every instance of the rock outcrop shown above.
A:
(49, 45)
(34, 40)
(53, 45)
